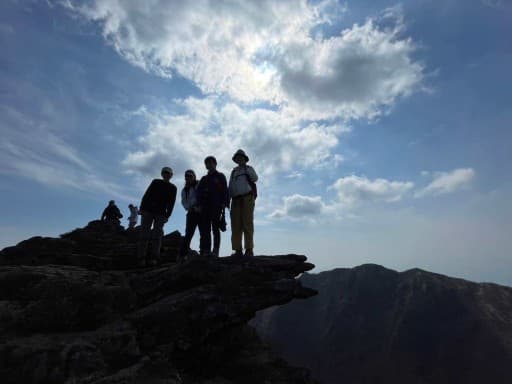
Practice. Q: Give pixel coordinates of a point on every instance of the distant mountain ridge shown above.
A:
(370, 324)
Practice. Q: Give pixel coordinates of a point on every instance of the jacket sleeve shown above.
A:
(104, 214)
(172, 201)
(201, 192)
(252, 174)
(183, 202)
(226, 190)
(146, 196)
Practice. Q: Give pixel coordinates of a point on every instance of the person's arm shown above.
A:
(118, 213)
(172, 201)
(184, 201)
(252, 174)
(226, 191)
(147, 195)
(104, 214)
(200, 191)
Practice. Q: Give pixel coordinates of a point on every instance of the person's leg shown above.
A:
(248, 223)
(156, 237)
(189, 232)
(205, 232)
(236, 225)
(144, 235)
(215, 220)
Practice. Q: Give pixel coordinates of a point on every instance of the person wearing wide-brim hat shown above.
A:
(242, 192)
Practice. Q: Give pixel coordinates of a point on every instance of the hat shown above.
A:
(241, 153)
(167, 169)
(208, 158)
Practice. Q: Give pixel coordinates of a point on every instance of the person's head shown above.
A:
(240, 157)
(190, 176)
(111, 202)
(166, 173)
(130, 205)
(210, 163)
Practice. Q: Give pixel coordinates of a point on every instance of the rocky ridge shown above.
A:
(73, 310)
(370, 324)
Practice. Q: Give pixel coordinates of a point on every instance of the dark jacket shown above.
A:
(159, 198)
(212, 190)
(111, 213)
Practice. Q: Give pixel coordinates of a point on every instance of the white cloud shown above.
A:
(270, 51)
(299, 207)
(274, 141)
(352, 190)
(448, 182)
(33, 151)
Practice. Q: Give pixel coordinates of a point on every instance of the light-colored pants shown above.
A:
(242, 222)
(147, 220)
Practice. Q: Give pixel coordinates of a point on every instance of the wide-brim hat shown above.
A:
(240, 152)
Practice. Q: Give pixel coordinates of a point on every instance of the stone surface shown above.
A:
(75, 310)
(370, 324)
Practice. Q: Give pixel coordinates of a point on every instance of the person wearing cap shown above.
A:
(111, 213)
(155, 209)
(191, 205)
(242, 191)
(213, 197)
(134, 214)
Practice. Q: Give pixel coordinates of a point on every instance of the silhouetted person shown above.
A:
(134, 215)
(155, 209)
(111, 213)
(191, 204)
(242, 191)
(213, 198)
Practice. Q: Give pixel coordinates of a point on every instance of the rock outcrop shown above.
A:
(74, 310)
(370, 324)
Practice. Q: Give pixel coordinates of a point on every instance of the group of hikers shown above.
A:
(205, 202)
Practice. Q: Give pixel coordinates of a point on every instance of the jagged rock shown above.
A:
(100, 245)
(71, 322)
(370, 324)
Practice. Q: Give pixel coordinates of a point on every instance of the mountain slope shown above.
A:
(370, 324)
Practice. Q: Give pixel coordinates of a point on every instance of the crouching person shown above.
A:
(155, 209)
(242, 191)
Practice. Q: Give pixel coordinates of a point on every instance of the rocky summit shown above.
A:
(74, 310)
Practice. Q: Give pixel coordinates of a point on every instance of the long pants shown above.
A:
(242, 222)
(209, 222)
(147, 220)
(191, 225)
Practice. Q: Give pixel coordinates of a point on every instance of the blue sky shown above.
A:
(380, 130)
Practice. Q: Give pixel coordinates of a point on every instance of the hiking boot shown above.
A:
(248, 253)
(237, 253)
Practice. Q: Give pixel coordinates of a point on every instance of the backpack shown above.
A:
(252, 184)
